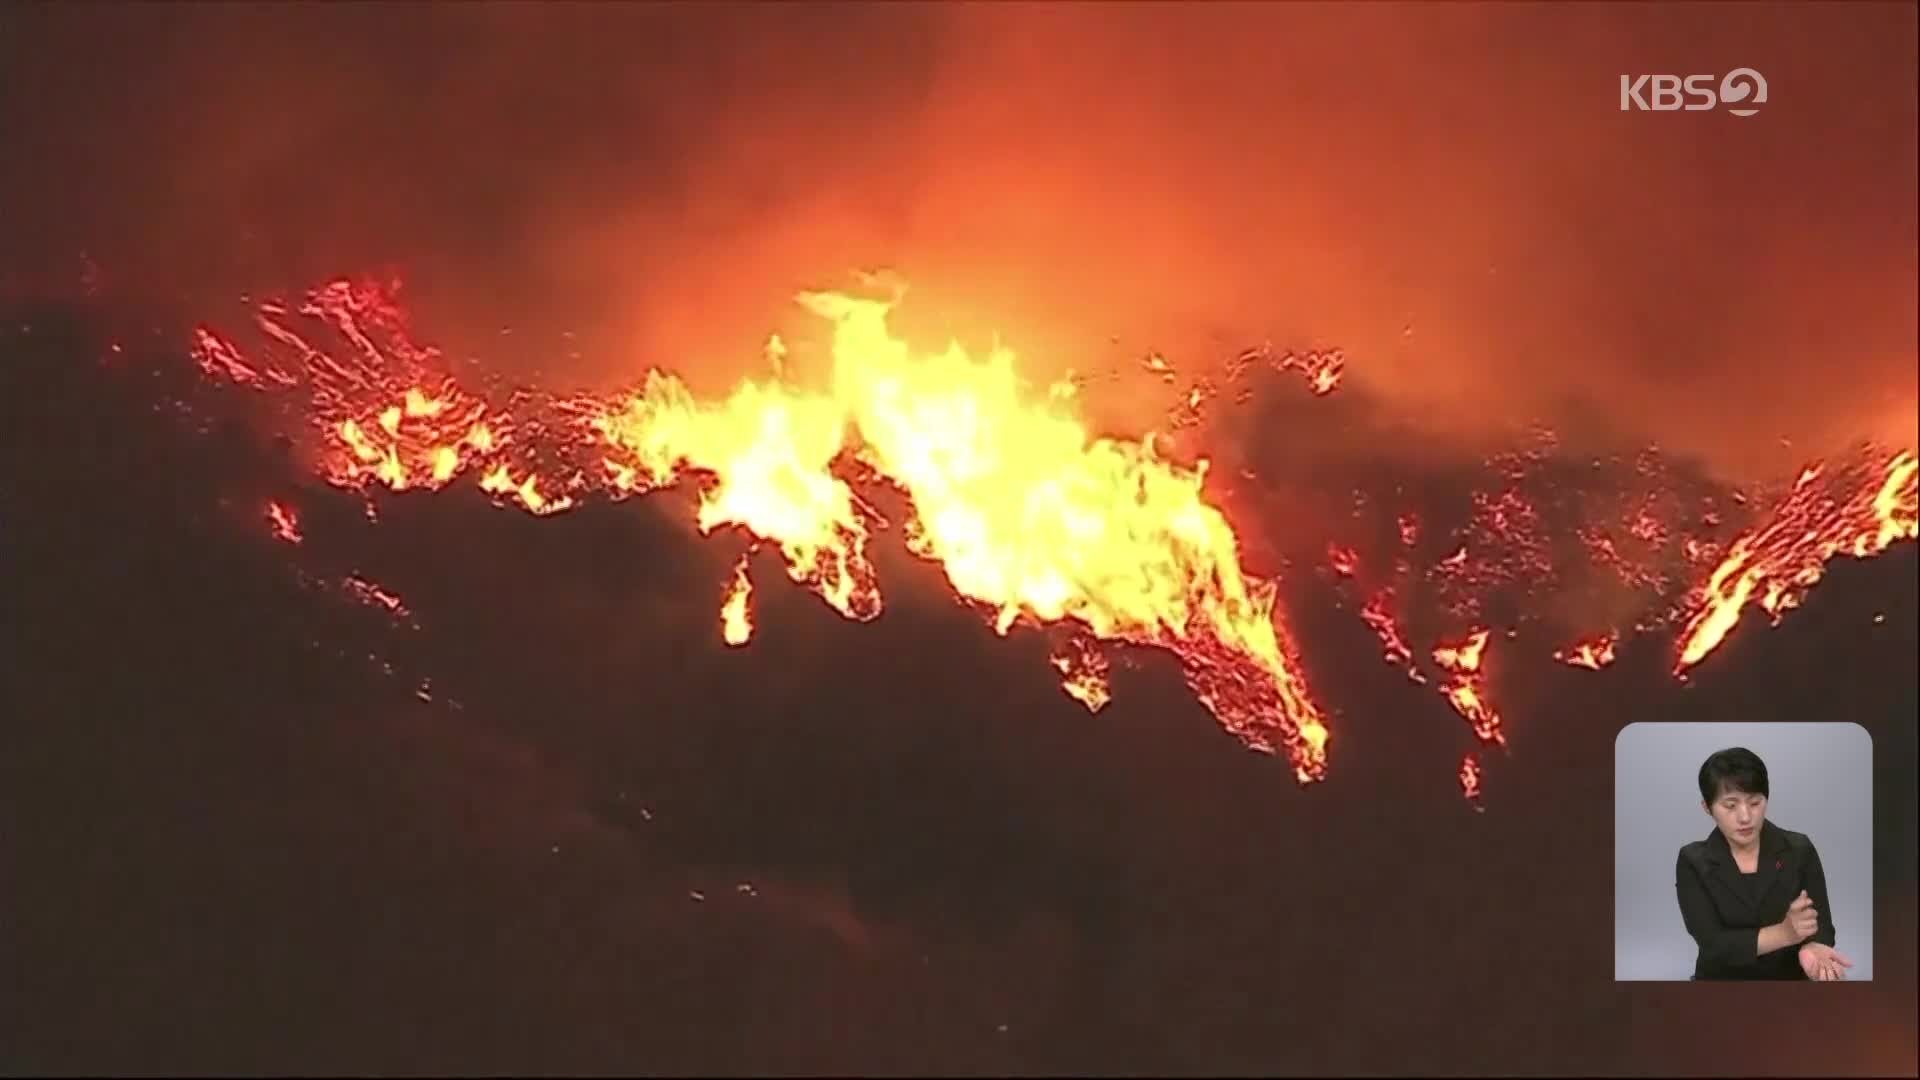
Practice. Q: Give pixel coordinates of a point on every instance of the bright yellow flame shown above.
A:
(776, 355)
(736, 621)
(499, 481)
(1470, 779)
(446, 461)
(1594, 653)
(1026, 512)
(1033, 519)
(765, 452)
(1860, 512)
(1083, 673)
(418, 404)
(1466, 685)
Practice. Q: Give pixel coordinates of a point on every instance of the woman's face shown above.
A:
(1739, 815)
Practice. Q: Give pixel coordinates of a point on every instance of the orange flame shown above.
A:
(1466, 685)
(736, 620)
(1594, 653)
(219, 358)
(1324, 379)
(1470, 775)
(499, 481)
(415, 440)
(285, 525)
(764, 455)
(1083, 672)
(1378, 614)
(1031, 517)
(375, 596)
(1344, 560)
(1321, 369)
(1860, 511)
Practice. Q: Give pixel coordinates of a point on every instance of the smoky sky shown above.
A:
(1449, 192)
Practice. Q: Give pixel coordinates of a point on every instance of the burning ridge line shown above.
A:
(1034, 520)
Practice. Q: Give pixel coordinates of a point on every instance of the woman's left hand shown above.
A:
(1822, 963)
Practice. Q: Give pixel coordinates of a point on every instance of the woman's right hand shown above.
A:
(1802, 920)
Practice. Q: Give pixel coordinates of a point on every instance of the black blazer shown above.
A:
(1722, 916)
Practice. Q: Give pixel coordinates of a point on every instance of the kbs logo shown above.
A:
(1694, 93)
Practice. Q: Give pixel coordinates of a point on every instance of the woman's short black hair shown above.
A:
(1733, 769)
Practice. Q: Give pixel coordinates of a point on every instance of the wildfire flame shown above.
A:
(1647, 529)
(1035, 521)
(763, 459)
(1031, 516)
(283, 522)
(1594, 653)
(1466, 685)
(1084, 672)
(736, 620)
(1322, 369)
(1378, 614)
(1470, 780)
(500, 480)
(1860, 511)
(374, 595)
(1344, 560)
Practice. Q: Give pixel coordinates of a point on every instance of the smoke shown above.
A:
(1451, 194)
